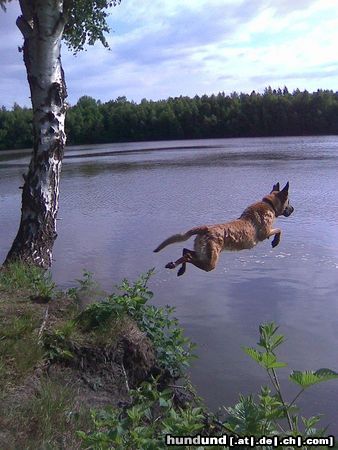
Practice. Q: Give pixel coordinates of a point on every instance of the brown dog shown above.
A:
(253, 226)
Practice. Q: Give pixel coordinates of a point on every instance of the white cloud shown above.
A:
(164, 48)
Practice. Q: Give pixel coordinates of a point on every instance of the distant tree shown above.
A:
(16, 128)
(43, 24)
(86, 120)
(276, 112)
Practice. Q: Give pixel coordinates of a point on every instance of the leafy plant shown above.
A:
(269, 415)
(144, 423)
(42, 283)
(57, 343)
(85, 283)
(173, 350)
(152, 413)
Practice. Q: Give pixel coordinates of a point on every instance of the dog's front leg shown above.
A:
(277, 233)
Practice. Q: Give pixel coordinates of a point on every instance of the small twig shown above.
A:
(125, 376)
(279, 426)
(275, 384)
(221, 424)
(177, 386)
(184, 388)
(293, 401)
(43, 325)
(278, 389)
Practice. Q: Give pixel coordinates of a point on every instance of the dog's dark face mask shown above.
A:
(288, 210)
(285, 207)
(283, 196)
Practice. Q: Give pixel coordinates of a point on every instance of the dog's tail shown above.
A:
(180, 237)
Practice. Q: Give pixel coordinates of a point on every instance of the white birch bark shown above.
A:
(42, 25)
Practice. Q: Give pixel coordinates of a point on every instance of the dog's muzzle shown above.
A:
(288, 211)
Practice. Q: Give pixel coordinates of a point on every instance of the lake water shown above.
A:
(119, 201)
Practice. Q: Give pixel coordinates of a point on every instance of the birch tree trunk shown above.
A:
(42, 24)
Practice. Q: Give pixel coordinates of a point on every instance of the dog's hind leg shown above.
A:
(186, 255)
(207, 264)
(190, 256)
(182, 269)
(184, 265)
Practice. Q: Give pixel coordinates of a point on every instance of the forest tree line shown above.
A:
(276, 112)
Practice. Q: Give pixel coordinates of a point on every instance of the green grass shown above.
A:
(20, 351)
(36, 412)
(48, 419)
(33, 280)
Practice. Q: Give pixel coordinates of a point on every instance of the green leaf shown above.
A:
(326, 374)
(267, 359)
(268, 339)
(310, 422)
(254, 354)
(163, 402)
(308, 378)
(277, 365)
(276, 341)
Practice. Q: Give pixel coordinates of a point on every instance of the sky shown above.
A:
(168, 48)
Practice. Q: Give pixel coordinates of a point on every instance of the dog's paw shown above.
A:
(181, 271)
(170, 265)
(275, 242)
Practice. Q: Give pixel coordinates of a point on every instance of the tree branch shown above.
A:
(24, 27)
(27, 11)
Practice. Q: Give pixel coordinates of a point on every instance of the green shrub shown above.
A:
(173, 350)
(57, 342)
(272, 414)
(152, 414)
(85, 283)
(144, 424)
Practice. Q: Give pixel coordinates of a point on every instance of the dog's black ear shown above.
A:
(286, 188)
(275, 187)
(283, 194)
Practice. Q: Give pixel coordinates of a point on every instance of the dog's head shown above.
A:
(279, 200)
